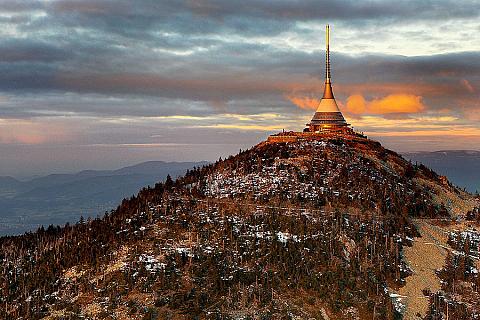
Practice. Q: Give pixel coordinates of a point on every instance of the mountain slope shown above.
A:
(312, 229)
(461, 166)
(8, 186)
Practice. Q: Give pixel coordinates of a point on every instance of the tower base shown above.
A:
(292, 136)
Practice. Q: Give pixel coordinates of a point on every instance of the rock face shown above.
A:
(307, 229)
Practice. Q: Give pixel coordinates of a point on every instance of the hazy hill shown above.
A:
(305, 230)
(60, 198)
(9, 186)
(462, 167)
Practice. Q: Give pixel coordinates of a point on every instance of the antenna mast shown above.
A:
(328, 92)
(327, 60)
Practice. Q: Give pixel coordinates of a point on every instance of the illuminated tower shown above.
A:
(327, 118)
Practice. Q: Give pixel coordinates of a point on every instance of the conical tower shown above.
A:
(327, 118)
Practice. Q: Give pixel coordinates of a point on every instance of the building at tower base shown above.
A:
(328, 119)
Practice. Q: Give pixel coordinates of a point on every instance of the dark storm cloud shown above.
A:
(26, 77)
(248, 76)
(350, 10)
(439, 71)
(30, 50)
(454, 64)
(19, 6)
(202, 53)
(139, 18)
(227, 11)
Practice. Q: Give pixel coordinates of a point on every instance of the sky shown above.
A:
(103, 84)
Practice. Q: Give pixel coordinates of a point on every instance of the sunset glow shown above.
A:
(93, 73)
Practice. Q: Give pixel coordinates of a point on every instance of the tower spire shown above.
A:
(328, 92)
(327, 118)
(327, 53)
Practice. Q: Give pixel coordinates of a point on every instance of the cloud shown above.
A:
(472, 114)
(307, 103)
(259, 79)
(90, 7)
(284, 10)
(117, 71)
(13, 6)
(221, 87)
(356, 104)
(29, 50)
(468, 85)
(396, 103)
(391, 104)
(18, 131)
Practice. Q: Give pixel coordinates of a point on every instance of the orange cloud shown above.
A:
(417, 88)
(455, 132)
(472, 114)
(304, 102)
(391, 104)
(467, 85)
(356, 104)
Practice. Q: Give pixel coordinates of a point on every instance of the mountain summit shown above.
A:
(310, 229)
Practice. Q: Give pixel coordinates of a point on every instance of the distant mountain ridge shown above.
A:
(58, 198)
(462, 167)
